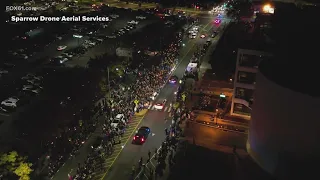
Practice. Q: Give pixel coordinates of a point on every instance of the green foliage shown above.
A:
(237, 9)
(23, 171)
(117, 69)
(13, 163)
(103, 84)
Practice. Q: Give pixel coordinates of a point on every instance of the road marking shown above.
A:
(116, 157)
(185, 55)
(169, 109)
(153, 134)
(105, 163)
(152, 164)
(140, 120)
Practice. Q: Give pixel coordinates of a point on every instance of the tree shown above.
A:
(12, 163)
(23, 171)
(98, 63)
(103, 86)
(117, 69)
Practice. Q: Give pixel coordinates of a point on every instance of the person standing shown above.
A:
(149, 154)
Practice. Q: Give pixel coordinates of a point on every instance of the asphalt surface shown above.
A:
(50, 51)
(130, 155)
(108, 45)
(42, 58)
(207, 136)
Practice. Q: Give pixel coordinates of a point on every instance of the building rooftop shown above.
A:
(296, 52)
(297, 76)
(295, 34)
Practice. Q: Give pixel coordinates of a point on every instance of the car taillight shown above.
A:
(142, 139)
(134, 138)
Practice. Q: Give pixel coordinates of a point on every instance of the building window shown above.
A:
(248, 60)
(240, 93)
(241, 109)
(243, 93)
(246, 77)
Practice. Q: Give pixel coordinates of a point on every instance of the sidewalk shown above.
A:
(141, 113)
(150, 167)
(207, 143)
(70, 166)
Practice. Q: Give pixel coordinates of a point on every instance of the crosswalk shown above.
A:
(100, 172)
(164, 109)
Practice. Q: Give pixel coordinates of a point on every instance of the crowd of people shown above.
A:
(165, 155)
(122, 100)
(67, 143)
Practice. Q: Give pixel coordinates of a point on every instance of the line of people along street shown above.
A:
(122, 102)
(165, 155)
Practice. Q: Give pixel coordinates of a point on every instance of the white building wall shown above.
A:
(282, 122)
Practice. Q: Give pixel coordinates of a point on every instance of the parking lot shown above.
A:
(75, 48)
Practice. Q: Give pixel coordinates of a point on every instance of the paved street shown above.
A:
(135, 6)
(155, 120)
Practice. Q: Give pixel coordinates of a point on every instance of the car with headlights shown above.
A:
(60, 48)
(141, 135)
(160, 104)
(173, 79)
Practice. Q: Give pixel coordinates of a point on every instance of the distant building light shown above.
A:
(268, 9)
